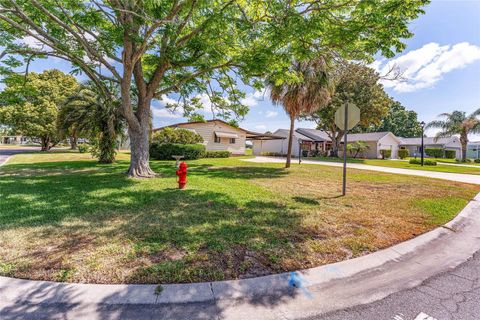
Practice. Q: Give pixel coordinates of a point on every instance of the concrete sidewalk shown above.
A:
(296, 295)
(459, 177)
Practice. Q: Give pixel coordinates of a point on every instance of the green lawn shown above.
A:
(452, 161)
(405, 165)
(64, 217)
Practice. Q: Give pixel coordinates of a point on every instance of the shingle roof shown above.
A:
(314, 134)
(426, 140)
(285, 133)
(370, 136)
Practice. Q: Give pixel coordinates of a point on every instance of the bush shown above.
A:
(176, 136)
(403, 153)
(386, 153)
(82, 148)
(463, 160)
(217, 154)
(476, 160)
(426, 162)
(450, 154)
(434, 152)
(271, 154)
(165, 151)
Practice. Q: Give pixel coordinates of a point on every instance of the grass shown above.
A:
(64, 217)
(452, 161)
(405, 165)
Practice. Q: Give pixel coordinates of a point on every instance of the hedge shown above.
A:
(426, 162)
(165, 151)
(434, 152)
(217, 154)
(178, 136)
(450, 154)
(403, 153)
(476, 160)
(386, 153)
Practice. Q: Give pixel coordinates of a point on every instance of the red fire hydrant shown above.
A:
(182, 175)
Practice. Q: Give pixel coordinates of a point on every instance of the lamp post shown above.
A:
(422, 124)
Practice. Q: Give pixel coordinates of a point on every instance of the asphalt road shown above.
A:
(452, 295)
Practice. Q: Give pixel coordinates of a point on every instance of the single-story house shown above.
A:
(318, 140)
(414, 145)
(473, 150)
(14, 139)
(218, 135)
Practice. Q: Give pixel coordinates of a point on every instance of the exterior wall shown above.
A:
(277, 146)
(388, 143)
(13, 140)
(207, 131)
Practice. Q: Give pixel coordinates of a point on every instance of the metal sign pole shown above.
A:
(299, 151)
(345, 141)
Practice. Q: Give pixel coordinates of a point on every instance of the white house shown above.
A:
(414, 145)
(312, 139)
(218, 135)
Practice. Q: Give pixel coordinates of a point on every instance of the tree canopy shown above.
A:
(355, 83)
(29, 105)
(399, 121)
(187, 47)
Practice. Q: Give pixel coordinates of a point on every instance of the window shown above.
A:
(217, 139)
(232, 140)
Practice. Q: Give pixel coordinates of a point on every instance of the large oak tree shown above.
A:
(188, 47)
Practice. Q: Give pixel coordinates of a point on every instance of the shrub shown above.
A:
(450, 154)
(271, 154)
(477, 160)
(386, 153)
(217, 154)
(82, 148)
(434, 152)
(165, 151)
(426, 162)
(176, 136)
(463, 160)
(403, 153)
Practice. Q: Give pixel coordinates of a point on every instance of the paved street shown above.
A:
(453, 295)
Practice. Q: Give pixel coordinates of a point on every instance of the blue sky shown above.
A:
(441, 67)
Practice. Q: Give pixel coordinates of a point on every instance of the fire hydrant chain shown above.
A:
(182, 175)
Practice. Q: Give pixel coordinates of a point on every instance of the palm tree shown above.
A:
(303, 95)
(91, 115)
(457, 123)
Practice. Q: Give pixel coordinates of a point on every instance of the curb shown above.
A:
(317, 290)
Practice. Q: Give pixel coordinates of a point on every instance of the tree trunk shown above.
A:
(290, 142)
(464, 143)
(45, 142)
(73, 142)
(140, 152)
(336, 145)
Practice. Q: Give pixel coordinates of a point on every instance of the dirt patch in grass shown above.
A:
(73, 220)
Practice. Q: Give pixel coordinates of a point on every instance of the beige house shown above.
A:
(218, 135)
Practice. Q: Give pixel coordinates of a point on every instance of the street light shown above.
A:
(422, 124)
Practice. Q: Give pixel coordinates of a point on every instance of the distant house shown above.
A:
(218, 135)
(473, 150)
(14, 139)
(317, 140)
(414, 145)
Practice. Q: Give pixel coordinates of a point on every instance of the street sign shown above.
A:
(353, 116)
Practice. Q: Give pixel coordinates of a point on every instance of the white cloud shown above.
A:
(424, 67)
(271, 114)
(33, 43)
(165, 113)
(249, 101)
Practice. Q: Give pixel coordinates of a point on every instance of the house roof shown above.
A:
(314, 134)
(426, 140)
(200, 122)
(296, 135)
(369, 136)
